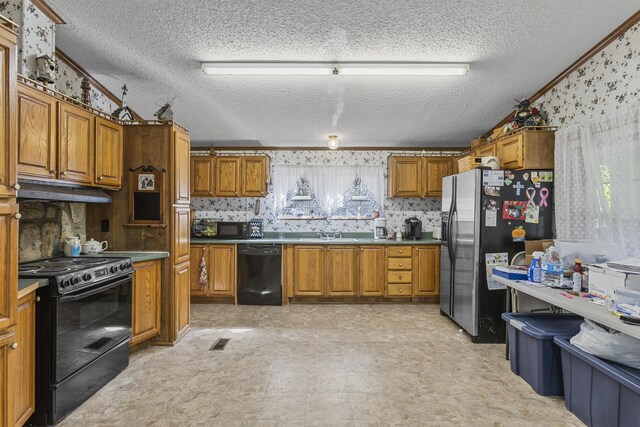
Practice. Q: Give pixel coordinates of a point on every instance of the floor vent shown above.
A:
(220, 344)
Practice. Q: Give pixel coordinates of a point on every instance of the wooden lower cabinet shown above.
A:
(145, 310)
(8, 356)
(372, 271)
(308, 270)
(427, 270)
(222, 270)
(342, 270)
(181, 299)
(198, 254)
(25, 358)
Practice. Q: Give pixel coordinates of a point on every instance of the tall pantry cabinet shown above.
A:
(166, 147)
(8, 222)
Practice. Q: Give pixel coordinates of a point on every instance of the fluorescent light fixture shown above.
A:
(327, 68)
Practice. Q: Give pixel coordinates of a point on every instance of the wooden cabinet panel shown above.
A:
(222, 270)
(8, 264)
(399, 251)
(108, 158)
(198, 252)
(76, 133)
(511, 152)
(8, 356)
(8, 147)
(342, 270)
(404, 176)
(202, 170)
(145, 306)
(435, 170)
(399, 290)
(227, 182)
(255, 173)
(181, 166)
(181, 234)
(25, 359)
(399, 276)
(181, 300)
(37, 143)
(399, 263)
(427, 271)
(372, 270)
(308, 270)
(487, 150)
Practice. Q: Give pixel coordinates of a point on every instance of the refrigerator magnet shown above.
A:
(514, 210)
(518, 234)
(493, 178)
(491, 218)
(492, 191)
(518, 186)
(507, 181)
(534, 178)
(532, 214)
(491, 205)
(546, 176)
(495, 260)
(525, 176)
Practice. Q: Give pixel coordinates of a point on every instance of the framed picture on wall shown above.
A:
(146, 195)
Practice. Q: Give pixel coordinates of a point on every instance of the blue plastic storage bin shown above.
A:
(533, 354)
(600, 393)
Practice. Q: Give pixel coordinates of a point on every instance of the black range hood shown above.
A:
(56, 191)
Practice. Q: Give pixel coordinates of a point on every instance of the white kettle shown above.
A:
(92, 246)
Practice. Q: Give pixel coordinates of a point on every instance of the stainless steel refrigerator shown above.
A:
(480, 211)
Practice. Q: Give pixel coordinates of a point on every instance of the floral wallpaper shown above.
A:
(606, 82)
(69, 82)
(395, 210)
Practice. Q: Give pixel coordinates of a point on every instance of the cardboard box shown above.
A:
(603, 281)
(531, 246)
(513, 272)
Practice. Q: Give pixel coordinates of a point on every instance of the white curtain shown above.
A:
(328, 181)
(597, 169)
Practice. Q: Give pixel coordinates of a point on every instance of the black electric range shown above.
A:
(83, 328)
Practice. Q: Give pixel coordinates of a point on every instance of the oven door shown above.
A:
(89, 323)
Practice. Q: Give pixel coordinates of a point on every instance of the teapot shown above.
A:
(72, 246)
(92, 246)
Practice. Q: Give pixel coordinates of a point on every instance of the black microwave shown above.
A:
(232, 230)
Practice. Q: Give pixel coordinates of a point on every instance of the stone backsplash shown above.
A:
(44, 225)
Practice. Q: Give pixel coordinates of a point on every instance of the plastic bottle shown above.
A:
(552, 267)
(534, 272)
(577, 275)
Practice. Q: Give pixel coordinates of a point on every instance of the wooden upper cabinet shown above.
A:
(8, 73)
(108, 157)
(427, 270)
(255, 174)
(202, 175)
(511, 150)
(308, 270)
(227, 181)
(372, 271)
(436, 169)
(181, 165)
(145, 304)
(76, 133)
(24, 369)
(181, 298)
(487, 150)
(8, 264)
(198, 253)
(37, 142)
(404, 176)
(342, 270)
(222, 270)
(528, 149)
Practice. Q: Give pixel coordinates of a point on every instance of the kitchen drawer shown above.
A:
(399, 263)
(399, 289)
(399, 251)
(399, 277)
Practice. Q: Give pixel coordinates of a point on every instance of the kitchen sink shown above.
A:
(325, 239)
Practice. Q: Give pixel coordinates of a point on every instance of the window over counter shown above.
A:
(328, 192)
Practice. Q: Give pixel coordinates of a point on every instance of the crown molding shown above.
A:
(49, 13)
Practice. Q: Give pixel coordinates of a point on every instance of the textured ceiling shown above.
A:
(156, 48)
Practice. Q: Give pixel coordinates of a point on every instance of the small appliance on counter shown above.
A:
(412, 229)
(231, 230)
(380, 228)
(204, 227)
(255, 228)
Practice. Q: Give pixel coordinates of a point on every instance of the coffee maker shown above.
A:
(379, 228)
(412, 229)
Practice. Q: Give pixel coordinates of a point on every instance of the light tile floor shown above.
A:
(321, 365)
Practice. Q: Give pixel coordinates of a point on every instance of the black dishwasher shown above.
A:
(260, 274)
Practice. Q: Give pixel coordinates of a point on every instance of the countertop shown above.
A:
(26, 286)
(312, 239)
(136, 256)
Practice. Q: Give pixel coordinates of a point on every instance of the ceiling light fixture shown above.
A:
(333, 142)
(329, 68)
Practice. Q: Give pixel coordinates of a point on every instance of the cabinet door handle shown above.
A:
(400, 290)
(17, 215)
(399, 252)
(16, 186)
(63, 173)
(400, 265)
(37, 299)
(14, 346)
(52, 172)
(100, 178)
